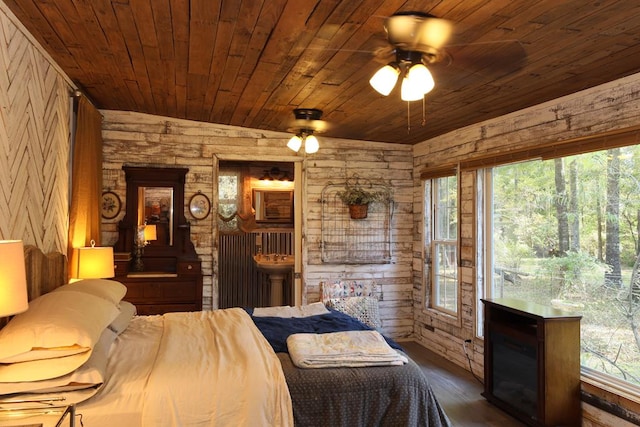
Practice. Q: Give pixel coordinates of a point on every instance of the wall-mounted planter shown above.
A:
(358, 211)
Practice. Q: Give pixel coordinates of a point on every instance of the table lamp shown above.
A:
(13, 278)
(95, 262)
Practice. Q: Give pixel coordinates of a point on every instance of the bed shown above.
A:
(218, 367)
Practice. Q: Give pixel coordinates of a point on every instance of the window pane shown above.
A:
(228, 201)
(445, 265)
(441, 246)
(564, 233)
(447, 209)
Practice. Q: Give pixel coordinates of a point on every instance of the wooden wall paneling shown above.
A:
(34, 143)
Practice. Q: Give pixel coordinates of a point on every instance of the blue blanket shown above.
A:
(277, 329)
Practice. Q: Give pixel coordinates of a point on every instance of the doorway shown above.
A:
(246, 228)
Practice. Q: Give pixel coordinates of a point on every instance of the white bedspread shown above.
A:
(191, 369)
(342, 349)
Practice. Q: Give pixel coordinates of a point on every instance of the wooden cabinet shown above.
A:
(163, 274)
(532, 362)
(158, 293)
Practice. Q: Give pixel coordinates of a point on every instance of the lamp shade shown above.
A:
(95, 263)
(150, 232)
(416, 83)
(295, 143)
(311, 144)
(13, 278)
(385, 79)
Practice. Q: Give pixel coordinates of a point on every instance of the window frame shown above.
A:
(431, 243)
(602, 387)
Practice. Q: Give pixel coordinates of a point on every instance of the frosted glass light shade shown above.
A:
(311, 144)
(95, 263)
(13, 278)
(416, 83)
(150, 232)
(295, 143)
(385, 79)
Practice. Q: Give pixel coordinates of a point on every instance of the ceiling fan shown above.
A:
(307, 122)
(418, 40)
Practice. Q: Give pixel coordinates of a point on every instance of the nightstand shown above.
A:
(53, 416)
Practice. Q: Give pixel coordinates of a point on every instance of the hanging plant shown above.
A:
(357, 197)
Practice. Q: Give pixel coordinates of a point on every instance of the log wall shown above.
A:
(140, 139)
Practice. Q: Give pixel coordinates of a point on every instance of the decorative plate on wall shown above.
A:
(110, 205)
(199, 206)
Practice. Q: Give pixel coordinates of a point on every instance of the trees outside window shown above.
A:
(564, 233)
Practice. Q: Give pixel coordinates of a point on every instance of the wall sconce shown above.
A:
(13, 278)
(275, 174)
(95, 262)
(144, 234)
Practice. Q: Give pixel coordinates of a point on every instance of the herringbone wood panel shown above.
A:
(34, 144)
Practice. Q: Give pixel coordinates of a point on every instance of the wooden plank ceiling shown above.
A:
(251, 62)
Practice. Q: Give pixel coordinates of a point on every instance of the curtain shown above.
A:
(86, 181)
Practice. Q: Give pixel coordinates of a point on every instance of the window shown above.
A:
(441, 243)
(565, 232)
(228, 200)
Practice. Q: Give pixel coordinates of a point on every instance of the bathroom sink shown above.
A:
(274, 264)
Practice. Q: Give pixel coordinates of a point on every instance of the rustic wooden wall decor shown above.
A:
(34, 144)
(349, 241)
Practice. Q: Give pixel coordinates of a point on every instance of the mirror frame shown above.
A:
(157, 257)
(284, 198)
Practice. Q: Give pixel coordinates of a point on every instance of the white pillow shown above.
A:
(90, 374)
(127, 311)
(109, 290)
(61, 323)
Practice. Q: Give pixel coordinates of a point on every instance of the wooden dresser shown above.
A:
(167, 276)
(532, 362)
(161, 292)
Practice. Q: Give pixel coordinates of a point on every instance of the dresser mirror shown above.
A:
(155, 196)
(155, 207)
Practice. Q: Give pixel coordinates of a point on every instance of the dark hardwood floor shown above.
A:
(458, 391)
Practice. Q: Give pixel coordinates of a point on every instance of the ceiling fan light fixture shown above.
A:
(421, 77)
(311, 144)
(384, 80)
(416, 83)
(295, 143)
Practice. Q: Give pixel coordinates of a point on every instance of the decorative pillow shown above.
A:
(127, 311)
(109, 290)
(56, 324)
(348, 288)
(365, 309)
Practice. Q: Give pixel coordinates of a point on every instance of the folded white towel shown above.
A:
(312, 309)
(342, 349)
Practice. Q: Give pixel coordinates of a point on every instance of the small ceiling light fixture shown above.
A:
(307, 121)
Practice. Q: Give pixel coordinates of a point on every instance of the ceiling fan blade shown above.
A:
(317, 126)
(497, 58)
(478, 63)
(409, 30)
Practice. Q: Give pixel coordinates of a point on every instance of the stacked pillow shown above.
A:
(357, 299)
(41, 348)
